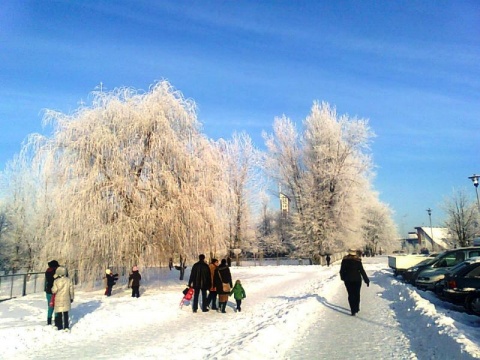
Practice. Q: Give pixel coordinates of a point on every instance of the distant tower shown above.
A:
(284, 203)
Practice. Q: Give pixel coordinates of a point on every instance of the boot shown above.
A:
(65, 320)
(224, 305)
(59, 321)
(49, 321)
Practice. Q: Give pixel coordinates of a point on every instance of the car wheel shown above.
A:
(472, 304)
(438, 289)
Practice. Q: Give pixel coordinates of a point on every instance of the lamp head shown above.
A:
(474, 179)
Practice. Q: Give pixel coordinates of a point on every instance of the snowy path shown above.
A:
(291, 312)
(372, 331)
(391, 324)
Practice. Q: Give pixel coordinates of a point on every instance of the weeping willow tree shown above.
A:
(129, 180)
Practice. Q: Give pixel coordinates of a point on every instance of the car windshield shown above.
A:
(427, 261)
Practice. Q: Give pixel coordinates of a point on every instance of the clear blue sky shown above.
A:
(411, 67)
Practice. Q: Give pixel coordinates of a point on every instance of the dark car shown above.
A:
(461, 281)
(457, 270)
(430, 276)
(445, 259)
(409, 274)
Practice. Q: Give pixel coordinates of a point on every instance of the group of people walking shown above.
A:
(217, 280)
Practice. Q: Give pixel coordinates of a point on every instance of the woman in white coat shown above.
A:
(63, 290)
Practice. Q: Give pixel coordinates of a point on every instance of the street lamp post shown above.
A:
(475, 178)
(429, 211)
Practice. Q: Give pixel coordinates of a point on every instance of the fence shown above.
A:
(21, 284)
(16, 285)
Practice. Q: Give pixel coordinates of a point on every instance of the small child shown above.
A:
(63, 290)
(238, 293)
(110, 279)
(134, 282)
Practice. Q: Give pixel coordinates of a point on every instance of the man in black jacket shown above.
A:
(200, 280)
(352, 272)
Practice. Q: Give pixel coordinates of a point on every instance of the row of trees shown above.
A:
(131, 179)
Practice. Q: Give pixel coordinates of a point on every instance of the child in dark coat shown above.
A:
(111, 279)
(239, 294)
(134, 282)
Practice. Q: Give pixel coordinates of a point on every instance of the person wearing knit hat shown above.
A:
(223, 283)
(49, 278)
(111, 279)
(352, 272)
(134, 282)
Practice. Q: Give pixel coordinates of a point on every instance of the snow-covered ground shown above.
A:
(291, 312)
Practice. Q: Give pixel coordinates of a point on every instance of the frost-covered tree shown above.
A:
(24, 206)
(325, 170)
(128, 180)
(379, 230)
(461, 217)
(241, 160)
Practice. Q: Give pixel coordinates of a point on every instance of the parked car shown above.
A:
(428, 277)
(409, 274)
(461, 281)
(445, 259)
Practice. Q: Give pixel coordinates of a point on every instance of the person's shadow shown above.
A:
(334, 307)
(83, 309)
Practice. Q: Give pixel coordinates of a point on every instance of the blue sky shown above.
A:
(411, 67)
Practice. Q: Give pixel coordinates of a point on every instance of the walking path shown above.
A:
(337, 334)
(394, 322)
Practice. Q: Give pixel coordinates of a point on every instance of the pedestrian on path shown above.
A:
(352, 272)
(212, 294)
(239, 294)
(201, 281)
(223, 283)
(134, 281)
(328, 259)
(64, 294)
(110, 280)
(49, 278)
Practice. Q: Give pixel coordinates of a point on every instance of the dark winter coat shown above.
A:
(111, 279)
(222, 275)
(49, 280)
(135, 278)
(352, 270)
(200, 277)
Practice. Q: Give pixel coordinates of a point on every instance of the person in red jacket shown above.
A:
(352, 272)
